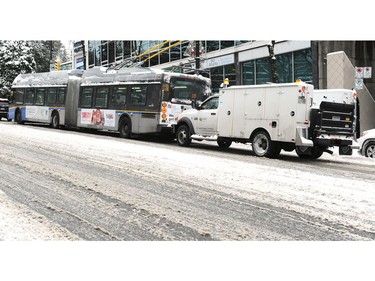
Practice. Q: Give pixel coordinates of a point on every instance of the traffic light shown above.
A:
(57, 65)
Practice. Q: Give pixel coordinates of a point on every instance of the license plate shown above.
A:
(336, 118)
(2, 108)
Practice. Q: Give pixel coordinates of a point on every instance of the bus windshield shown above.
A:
(185, 91)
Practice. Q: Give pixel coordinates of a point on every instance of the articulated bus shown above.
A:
(130, 101)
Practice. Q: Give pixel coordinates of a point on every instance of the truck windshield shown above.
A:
(185, 91)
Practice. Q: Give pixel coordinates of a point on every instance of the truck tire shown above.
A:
(263, 146)
(183, 135)
(309, 152)
(303, 152)
(316, 152)
(369, 150)
(224, 143)
(125, 128)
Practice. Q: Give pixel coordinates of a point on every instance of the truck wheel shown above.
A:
(303, 152)
(224, 143)
(55, 123)
(125, 128)
(316, 152)
(263, 146)
(309, 152)
(370, 150)
(183, 135)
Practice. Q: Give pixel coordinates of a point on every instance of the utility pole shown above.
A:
(51, 51)
(271, 50)
(197, 58)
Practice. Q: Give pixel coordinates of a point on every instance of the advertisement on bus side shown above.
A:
(105, 118)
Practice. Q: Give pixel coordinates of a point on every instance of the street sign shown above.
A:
(359, 84)
(359, 72)
(80, 63)
(367, 71)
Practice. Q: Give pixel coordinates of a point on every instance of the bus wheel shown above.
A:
(263, 146)
(55, 123)
(125, 128)
(183, 136)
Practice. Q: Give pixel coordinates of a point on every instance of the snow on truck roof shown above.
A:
(270, 85)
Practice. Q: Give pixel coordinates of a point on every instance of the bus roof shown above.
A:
(54, 78)
(98, 75)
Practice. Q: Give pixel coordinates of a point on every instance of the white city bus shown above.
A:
(130, 101)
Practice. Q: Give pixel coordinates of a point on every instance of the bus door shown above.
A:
(143, 105)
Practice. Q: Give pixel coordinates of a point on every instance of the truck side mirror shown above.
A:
(198, 105)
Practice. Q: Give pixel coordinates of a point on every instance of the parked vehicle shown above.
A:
(271, 117)
(129, 100)
(367, 143)
(4, 108)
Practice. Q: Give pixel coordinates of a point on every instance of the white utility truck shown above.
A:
(271, 117)
(335, 119)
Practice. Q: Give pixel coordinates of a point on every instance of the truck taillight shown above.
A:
(303, 88)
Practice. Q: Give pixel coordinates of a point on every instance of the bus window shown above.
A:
(138, 95)
(101, 97)
(40, 96)
(18, 96)
(184, 91)
(85, 99)
(153, 96)
(51, 96)
(118, 97)
(29, 97)
(61, 99)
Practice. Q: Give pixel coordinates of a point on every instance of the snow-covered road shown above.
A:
(66, 185)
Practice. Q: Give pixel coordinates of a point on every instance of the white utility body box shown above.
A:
(283, 110)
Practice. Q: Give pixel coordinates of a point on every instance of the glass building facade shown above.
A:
(105, 53)
(221, 58)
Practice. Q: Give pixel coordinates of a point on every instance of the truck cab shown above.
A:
(199, 123)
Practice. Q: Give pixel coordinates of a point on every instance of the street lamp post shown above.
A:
(197, 58)
(271, 50)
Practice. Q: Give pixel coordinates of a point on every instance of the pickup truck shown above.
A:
(271, 117)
